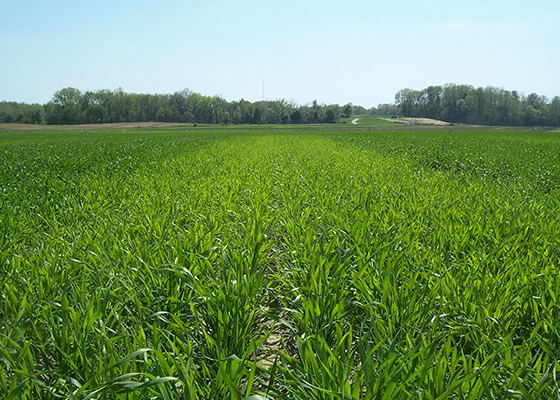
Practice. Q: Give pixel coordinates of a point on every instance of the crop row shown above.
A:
(319, 265)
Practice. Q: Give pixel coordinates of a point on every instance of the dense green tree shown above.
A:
(66, 107)
(359, 110)
(8, 118)
(554, 112)
(279, 112)
(244, 114)
(63, 96)
(178, 107)
(452, 94)
(330, 118)
(405, 99)
(451, 102)
(256, 116)
(481, 106)
(529, 115)
(20, 112)
(385, 109)
(431, 98)
(315, 112)
(348, 109)
(295, 117)
(37, 114)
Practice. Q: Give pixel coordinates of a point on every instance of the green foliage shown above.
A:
(257, 264)
(348, 110)
(452, 103)
(482, 106)
(12, 112)
(69, 106)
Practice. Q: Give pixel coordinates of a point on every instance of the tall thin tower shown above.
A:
(263, 90)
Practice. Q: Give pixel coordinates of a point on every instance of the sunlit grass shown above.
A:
(389, 264)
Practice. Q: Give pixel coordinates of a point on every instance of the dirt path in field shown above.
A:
(355, 121)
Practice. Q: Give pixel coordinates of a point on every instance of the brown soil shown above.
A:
(417, 121)
(91, 127)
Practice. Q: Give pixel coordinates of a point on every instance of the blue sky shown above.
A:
(335, 52)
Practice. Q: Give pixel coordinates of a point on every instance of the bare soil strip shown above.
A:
(417, 121)
(91, 127)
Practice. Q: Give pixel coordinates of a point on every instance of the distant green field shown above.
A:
(227, 263)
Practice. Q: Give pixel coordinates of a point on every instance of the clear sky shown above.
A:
(335, 52)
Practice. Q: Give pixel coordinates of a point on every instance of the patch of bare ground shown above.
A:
(417, 121)
(92, 127)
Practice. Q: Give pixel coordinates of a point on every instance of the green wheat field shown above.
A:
(228, 263)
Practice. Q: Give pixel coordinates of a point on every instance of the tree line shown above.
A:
(465, 104)
(69, 106)
(454, 103)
